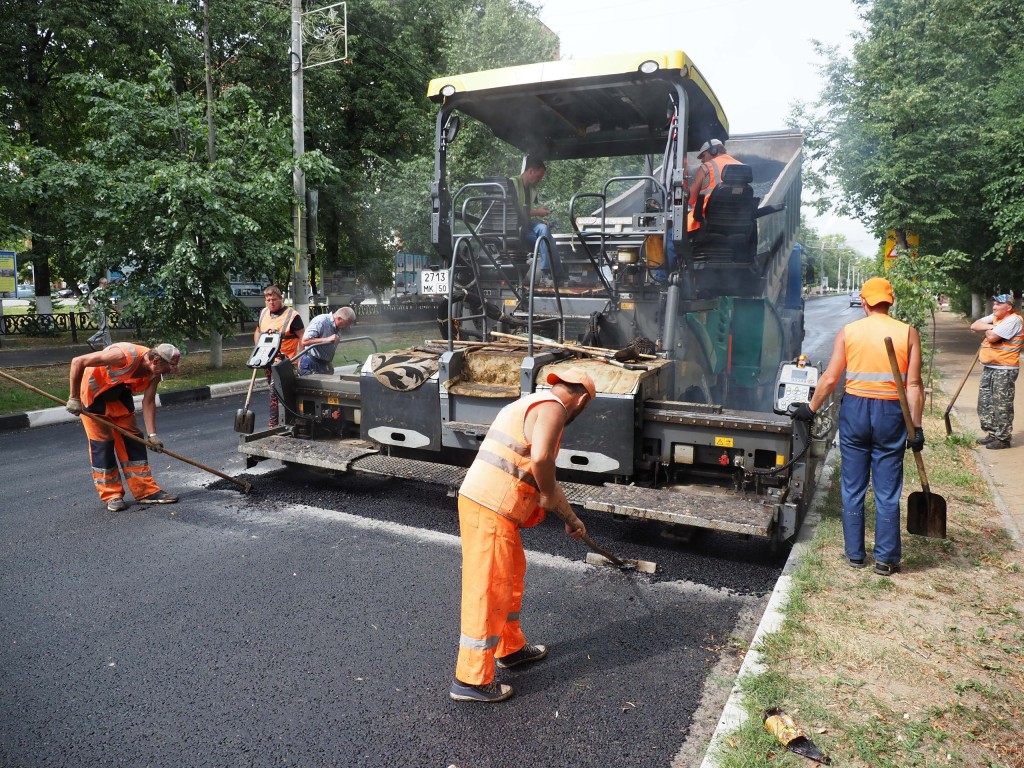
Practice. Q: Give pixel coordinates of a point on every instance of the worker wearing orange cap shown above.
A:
(872, 430)
(105, 383)
(510, 486)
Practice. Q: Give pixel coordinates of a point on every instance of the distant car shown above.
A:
(854, 298)
(64, 293)
(25, 291)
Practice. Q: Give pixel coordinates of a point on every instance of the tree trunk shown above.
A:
(216, 350)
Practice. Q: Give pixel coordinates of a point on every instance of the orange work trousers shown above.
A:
(493, 570)
(108, 448)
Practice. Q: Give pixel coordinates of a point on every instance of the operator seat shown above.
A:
(500, 222)
(727, 226)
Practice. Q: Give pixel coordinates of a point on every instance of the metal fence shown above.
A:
(76, 323)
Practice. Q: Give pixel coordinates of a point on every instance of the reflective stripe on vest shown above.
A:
(501, 478)
(99, 379)
(282, 324)
(868, 372)
(1005, 353)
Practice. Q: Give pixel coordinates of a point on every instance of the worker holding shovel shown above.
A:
(104, 383)
(873, 433)
(510, 486)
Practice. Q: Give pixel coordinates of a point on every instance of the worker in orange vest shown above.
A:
(1000, 361)
(105, 383)
(286, 321)
(713, 159)
(509, 486)
(872, 430)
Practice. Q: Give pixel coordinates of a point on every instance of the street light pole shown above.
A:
(300, 275)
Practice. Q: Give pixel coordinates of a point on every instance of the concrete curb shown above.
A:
(733, 714)
(58, 415)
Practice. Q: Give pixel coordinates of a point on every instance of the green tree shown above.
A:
(155, 209)
(903, 124)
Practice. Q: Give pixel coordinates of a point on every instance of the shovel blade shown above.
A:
(926, 515)
(245, 421)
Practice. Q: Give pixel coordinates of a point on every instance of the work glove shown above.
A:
(916, 443)
(74, 405)
(157, 443)
(800, 412)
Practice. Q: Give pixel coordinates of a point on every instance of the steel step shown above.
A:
(697, 508)
(727, 511)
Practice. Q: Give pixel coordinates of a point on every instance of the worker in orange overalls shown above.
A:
(105, 383)
(713, 159)
(510, 486)
(286, 321)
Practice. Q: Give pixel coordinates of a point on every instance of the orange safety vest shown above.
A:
(282, 324)
(868, 372)
(713, 172)
(102, 378)
(501, 478)
(1005, 353)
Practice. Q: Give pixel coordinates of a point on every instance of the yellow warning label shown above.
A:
(723, 442)
(334, 401)
(627, 305)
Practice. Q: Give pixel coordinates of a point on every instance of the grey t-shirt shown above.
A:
(321, 327)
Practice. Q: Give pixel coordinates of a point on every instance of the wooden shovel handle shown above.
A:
(962, 382)
(905, 405)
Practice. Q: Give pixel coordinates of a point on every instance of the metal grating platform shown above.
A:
(722, 512)
(411, 469)
(326, 454)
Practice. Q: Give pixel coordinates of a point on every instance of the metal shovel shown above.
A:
(245, 420)
(926, 511)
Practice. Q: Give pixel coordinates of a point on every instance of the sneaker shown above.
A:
(985, 440)
(886, 569)
(856, 563)
(997, 444)
(160, 497)
(488, 693)
(525, 655)
(117, 505)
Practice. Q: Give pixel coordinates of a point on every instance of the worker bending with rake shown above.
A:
(105, 383)
(509, 486)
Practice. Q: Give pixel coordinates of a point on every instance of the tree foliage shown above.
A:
(906, 127)
(149, 204)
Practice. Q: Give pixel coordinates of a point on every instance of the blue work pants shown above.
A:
(548, 261)
(872, 441)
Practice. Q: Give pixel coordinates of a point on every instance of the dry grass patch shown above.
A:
(921, 669)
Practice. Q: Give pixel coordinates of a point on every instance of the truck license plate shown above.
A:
(434, 282)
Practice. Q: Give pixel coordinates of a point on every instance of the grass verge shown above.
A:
(194, 370)
(921, 669)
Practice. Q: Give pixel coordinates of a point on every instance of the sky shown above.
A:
(757, 55)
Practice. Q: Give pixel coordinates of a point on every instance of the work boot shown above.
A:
(488, 693)
(856, 563)
(160, 497)
(996, 444)
(886, 569)
(117, 505)
(985, 440)
(525, 655)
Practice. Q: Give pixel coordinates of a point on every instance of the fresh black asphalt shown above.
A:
(314, 622)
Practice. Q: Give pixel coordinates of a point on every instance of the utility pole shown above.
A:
(300, 274)
(216, 341)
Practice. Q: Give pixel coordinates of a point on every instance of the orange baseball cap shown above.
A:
(876, 291)
(574, 376)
